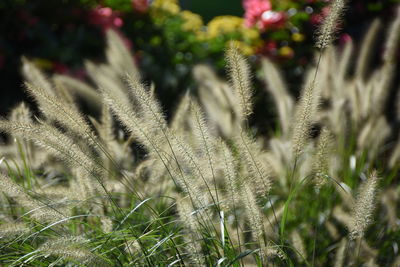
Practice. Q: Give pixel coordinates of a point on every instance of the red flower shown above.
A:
(317, 18)
(345, 38)
(258, 13)
(271, 19)
(140, 6)
(60, 68)
(105, 17)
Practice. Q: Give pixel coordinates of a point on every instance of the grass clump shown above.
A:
(129, 187)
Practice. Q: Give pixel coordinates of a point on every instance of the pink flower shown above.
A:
(345, 38)
(258, 13)
(270, 48)
(271, 19)
(140, 6)
(317, 18)
(105, 17)
(60, 68)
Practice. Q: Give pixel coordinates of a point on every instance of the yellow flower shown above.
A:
(244, 48)
(191, 21)
(286, 51)
(250, 33)
(224, 25)
(43, 63)
(298, 37)
(168, 6)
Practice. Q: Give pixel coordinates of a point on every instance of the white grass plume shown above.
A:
(118, 55)
(341, 253)
(71, 248)
(328, 28)
(239, 73)
(364, 207)
(392, 41)
(38, 210)
(230, 176)
(283, 100)
(12, 229)
(259, 172)
(80, 89)
(305, 115)
(130, 119)
(366, 49)
(149, 106)
(54, 141)
(298, 244)
(56, 109)
(21, 113)
(321, 160)
(35, 76)
(192, 232)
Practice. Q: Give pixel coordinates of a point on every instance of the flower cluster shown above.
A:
(106, 18)
(259, 13)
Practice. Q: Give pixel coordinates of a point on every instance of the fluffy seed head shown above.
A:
(328, 28)
(239, 74)
(303, 118)
(321, 164)
(364, 207)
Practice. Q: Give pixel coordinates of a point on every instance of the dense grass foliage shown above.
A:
(128, 187)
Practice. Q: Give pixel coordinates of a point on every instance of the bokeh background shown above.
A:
(168, 37)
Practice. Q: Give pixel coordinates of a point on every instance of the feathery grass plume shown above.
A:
(65, 94)
(368, 44)
(191, 175)
(298, 244)
(192, 234)
(239, 74)
(80, 89)
(12, 229)
(328, 28)
(105, 127)
(55, 142)
(35, 76)
(132, 247)
(343, 217)
(207, 142)
(304, 116)
(253, 213)
(332, 230)
(341, 253)
(389, 200)
(21, 113)
(321, 160)
(131, 120)
(218, 100)
(230, 176)
(149, 107)
(343, 67)
(118, 55)
(39, 211)
(181, 114)
(371, 140)
(277, 87)
(72, 248)
(107, 79)
(260, 179)
(392, 41)
(106, 224)
(56, 109)
(364, 207)
(387, 72)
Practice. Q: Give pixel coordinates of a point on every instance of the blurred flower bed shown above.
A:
(167, 41)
